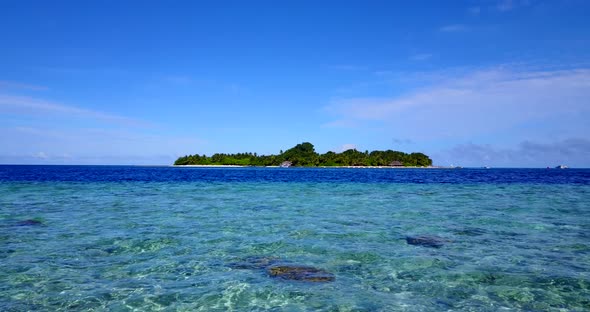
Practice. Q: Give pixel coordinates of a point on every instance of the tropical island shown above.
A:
(304, 155)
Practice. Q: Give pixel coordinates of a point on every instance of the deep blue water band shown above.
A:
(322, 175)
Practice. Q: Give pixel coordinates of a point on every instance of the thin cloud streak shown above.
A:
(421, 57)
(481, 101)
(37, 145)
(474, 10)
(572, 152)
(26, 105)
(509, 5)
(453, 28)
(505, 5)
(4, 84)
(348, 67)
(497, 104)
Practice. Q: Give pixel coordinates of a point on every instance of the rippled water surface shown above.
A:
(195, 239)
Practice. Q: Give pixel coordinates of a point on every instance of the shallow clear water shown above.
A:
(139, 238)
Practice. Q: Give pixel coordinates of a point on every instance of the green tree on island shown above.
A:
(304, 155)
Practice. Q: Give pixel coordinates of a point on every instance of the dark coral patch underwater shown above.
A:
(426, 241)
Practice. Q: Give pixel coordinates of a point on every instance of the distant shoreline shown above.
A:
(346, 167)
(304, 155)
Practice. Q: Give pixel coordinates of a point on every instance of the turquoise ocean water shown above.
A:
(147, 239)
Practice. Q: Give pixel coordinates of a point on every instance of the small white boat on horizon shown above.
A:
(286, 164)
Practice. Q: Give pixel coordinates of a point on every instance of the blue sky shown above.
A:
(498, 83)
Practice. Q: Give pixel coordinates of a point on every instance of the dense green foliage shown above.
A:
(304, 155)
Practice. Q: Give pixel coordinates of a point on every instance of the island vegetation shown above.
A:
(304, 155)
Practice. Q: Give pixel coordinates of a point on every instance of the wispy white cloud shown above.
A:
(34, 130)
(383, 72)
(477, 103)
(110, 136)
(7, 85)
(66, 159)
(398, 141)
(570, 151)
(348, 67)
(40, 155)
(187, 81)
(52, 145)
(474, 10)
(453, 28)
(340, 123)
(81, 71)
(421, 57)
(26, 105)
(235, 88)
(509, 5)
(505, 5)
(181, 80)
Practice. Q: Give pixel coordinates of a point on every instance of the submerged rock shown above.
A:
(470, 232)
(300, 273)
(276, 268)
(30, 222)
(254, 263)
(426, 241)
